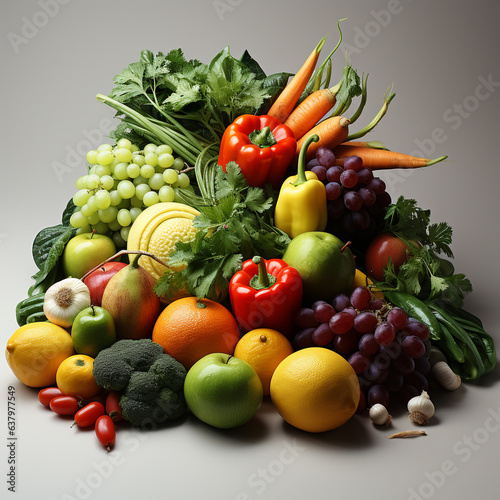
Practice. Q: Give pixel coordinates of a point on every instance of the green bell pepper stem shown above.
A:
(301, 165)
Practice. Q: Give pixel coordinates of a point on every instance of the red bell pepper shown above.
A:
(266, 294)
(262, 147)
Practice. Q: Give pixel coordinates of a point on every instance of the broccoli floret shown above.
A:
(151, 381)
(114, 366)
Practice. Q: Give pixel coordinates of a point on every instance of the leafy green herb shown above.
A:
(234, 226)
(186, 103)
(48, 247)
(425, 275)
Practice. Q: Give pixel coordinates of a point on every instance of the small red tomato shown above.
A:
(45, 396)
(113, 408)
(381, 248)
(88, 415)
(105, 431)
(64, 405)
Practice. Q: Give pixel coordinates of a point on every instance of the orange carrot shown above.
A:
(380, 159)
(332, 132)
(286, 101)
(310, 111)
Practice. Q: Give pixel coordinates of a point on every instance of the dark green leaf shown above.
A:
(43, 242)
(46, 276)
(68, 212)
(252, 65)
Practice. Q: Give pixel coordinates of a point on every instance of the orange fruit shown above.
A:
(74, 377)
(315, 389)
(35, 351)
(189, 329)
(263, 349)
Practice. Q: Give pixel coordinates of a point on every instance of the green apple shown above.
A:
(325, 263)
(93, 330)
(86, 251)
(223, 391)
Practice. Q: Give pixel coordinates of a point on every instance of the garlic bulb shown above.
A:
(446, 377)
(379, 415)
(64, 300)
(420, 409)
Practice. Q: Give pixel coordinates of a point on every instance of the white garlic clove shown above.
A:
(379, 415)
(421, 409)
(445, 376)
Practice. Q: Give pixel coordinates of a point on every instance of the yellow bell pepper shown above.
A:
(301, 205)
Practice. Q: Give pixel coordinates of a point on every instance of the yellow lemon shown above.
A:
(157, 230)
(315, 389)
(35, 351)
(263, 349)
(74, 377)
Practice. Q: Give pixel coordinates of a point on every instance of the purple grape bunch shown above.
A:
(388, 350)
(356, 198)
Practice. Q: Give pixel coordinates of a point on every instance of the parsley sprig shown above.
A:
(426, 274)
(233, 226)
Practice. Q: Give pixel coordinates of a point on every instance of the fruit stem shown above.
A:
(200, 304)
(345, 246)
(94, 231)
(135, 261)
(125, 252)
(228, 358)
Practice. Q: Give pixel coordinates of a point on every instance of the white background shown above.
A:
(436, 54)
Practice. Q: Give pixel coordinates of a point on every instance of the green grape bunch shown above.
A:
(121, 182)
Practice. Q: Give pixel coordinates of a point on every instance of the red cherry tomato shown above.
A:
(88, 415)
(377, 254)
(64, 405)
(113, 408)
(45, 396)
(105, 431)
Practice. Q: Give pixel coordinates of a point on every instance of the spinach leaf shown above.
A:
(46, 237)
(68, 212)
(46, 276)
(44, 241)
(252, 65)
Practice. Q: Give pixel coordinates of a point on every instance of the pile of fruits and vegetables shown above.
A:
(233, 242)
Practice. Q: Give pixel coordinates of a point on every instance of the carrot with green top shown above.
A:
(332, 132)
(314, 107)
(381, 159)
(286, 101)
(311, 110)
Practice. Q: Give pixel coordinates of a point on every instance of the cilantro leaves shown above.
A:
(232, 227)
(425, 275)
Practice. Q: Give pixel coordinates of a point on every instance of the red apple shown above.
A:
(382, 247)
(96, 282)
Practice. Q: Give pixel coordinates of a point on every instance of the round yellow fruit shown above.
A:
(157, 230)
(263, 349)
(35, 351)
(74, 377)
(315, 389)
